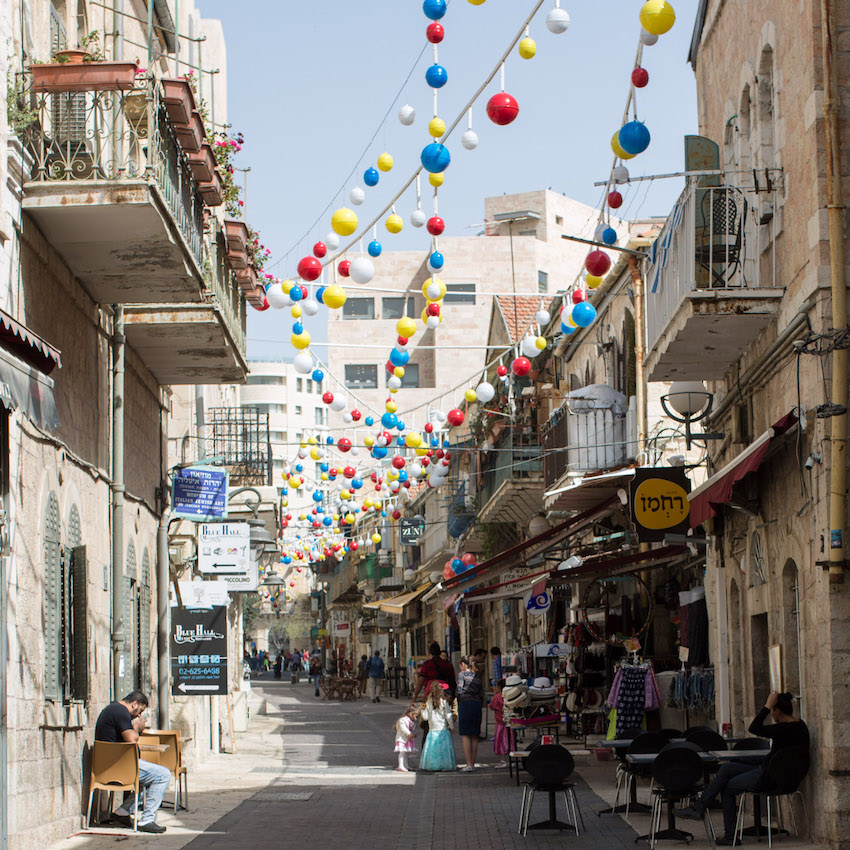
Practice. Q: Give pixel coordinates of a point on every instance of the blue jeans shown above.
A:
(732, 778)
(315, 680)
(154, 778)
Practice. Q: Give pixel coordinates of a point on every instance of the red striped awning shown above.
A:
(28, 346)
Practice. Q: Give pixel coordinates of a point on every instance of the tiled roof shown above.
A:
(518, 312)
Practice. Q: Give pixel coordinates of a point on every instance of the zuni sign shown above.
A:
(659, 500)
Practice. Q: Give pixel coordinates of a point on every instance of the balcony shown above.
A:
(512, 481)
(710, 289)
(113, 192)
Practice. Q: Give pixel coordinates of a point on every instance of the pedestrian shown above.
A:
(305, 661)
(438, 752)
(434, 669)
(315, 672)
(122, 721)
(375, 672)
(500, 735)
(470, 696)
(498, 668)
(736, 777)
(405, 737)
(278, 663)
(362, 675)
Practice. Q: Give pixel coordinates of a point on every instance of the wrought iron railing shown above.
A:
(223, 289)
(113, 136)
(517, 458)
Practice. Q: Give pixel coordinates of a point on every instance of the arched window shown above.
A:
(131, 622)
(764, 143)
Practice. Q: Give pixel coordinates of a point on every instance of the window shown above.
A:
(319, 416)
(359, 308)
(559, 219)
(542, 281)
(363, 376)
(275, 380)
(270, 408)
(411, 376)
(309, 385)
(299, 385)
(460, 293)
(298, 410)
(299, 436)
(394, 308)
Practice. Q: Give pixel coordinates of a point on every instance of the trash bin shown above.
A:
(293, 677)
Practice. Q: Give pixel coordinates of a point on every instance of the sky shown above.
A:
(310, 83)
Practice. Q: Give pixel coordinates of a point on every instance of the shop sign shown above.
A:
(342, 630)
(410, 531)
(659, 503)
(318, 633)
(199, 651)
(200, 594)
(553, 650)
(243, 582)
(199, 493)
(224, 547)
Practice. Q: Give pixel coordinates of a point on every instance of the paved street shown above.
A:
(313, 771)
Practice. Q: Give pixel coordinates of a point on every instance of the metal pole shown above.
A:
(118, 624)
(176, 58)
(150, 33)
(640, 352)
(163, 579)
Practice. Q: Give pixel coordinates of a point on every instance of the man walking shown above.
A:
(122, 722)
(375, 669)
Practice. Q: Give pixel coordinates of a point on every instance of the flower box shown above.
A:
(191, 135)
(247, 279)
(236, 234)
(179, 100)
(202, 163)
(211, 192)
(238, 259)
(83, 76)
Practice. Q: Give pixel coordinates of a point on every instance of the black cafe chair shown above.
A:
(752, 744)
(669, 734)
(707, 740)
(698, 729)
(782, 777)
(550, 767)
(628, 774)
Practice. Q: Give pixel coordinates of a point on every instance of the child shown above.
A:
(438, 752)
(500, 736)
(405, 737)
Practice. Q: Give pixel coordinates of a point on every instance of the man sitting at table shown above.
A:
(735, 777)
(122, 722)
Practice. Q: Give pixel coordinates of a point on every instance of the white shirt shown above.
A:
(437, 718)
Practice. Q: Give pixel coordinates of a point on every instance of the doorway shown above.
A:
(761, 664)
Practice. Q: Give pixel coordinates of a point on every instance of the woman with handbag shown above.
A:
(470, 698)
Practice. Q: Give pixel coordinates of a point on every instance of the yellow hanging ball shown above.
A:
(368, 442)
(314, 453)
(286, 285)
(296, 311)
(540, 343)
(436, 127)
(477, 2)
(470, 395)
(334, 297)
(376, 538)
(344, 221)
(392, 475)
(302, 517)
(324, 476)
(391, 407)
(340, 470)
(394, 223)
(657, 17)
(433, 281)
(571, 322)
(413, 440)
(398, 371)
(527, 48)
(367, 503)
(421, 451)
(300, 341)
(294, 482)
(436, 180)
(385, 162)
(593, 281)
(392, 390)
(618, 151)
(405, 327)
(284, 503)
(312, 441)
(345, 495)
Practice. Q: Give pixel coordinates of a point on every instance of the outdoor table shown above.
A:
(347, 689)
(159, 748)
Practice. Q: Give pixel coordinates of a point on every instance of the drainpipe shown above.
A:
(640, 352)
(163, 578)
(835, 211)
(118, 624)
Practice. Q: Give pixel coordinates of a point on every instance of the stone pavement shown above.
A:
(312, 771)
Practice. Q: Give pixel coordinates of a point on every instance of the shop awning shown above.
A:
(397, 604)
(609, 565)
(350, 596)
(28, 346)
(25, 388)
(717, 490)
(588, 491)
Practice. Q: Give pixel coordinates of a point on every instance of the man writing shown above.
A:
(122, 722)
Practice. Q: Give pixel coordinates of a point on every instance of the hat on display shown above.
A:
(572, 701)
(515, 696)
(513, 680)
(542, 682)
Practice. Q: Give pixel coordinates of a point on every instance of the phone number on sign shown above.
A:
(198, 671)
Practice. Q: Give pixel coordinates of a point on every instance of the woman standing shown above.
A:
(438, 752)
(470, 696)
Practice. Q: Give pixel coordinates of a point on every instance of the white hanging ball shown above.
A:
(357, 196)
(405, 495)
(394, 382)
(339, 402)
(434, 291)
(347, 418)
(303, 452)
(438, 415)
(435, 481)
(385, 488)
(414, 470)
(620, 174)
(381, 442)
(431, 268)
(469, 139)
(362, 270)
(597, 234)
(541, 317)
(278, 299)
(485, 392)
(557, 21)
(355, 450)
(418, 218)
(332, 241)
(394, 486)
(407, 115)
(303, 362)
(647, 38)
(528, 346)
(310, 307)
(433, 322)
(503, 378)
(320, 451)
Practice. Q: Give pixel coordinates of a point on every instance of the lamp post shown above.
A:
(690, 402)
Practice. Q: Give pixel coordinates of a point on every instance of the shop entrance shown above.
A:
(761, 664)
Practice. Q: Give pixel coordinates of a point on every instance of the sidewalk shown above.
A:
(313, 772)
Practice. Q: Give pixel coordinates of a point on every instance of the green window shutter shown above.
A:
(131, 623)
(78, 642)
(52, 602)
(145, 624)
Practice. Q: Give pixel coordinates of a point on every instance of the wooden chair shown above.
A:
(114, 767)
(172, 758)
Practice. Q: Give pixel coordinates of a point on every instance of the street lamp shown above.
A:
(690, 402)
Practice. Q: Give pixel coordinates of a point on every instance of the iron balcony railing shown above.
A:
(222, 289)
(113, 136)
(517, 457)
(710, 241)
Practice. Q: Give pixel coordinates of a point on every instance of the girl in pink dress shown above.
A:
(500, 735)
(405, 737)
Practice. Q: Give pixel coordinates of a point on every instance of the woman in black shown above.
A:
(737, 776)
(470, 696)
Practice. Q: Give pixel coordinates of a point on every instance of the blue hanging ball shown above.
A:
(319, 509)
(446, 444)
(383, 513)
(297, 328)
(583, 314)
(436, 76)
(567, 329)
(299, 467)
(356, 483)
(399, 358)
(295, 293)
(400, 426)
(609, 236)
(287, 559)
(327, 521)
(324, 467)
(378, 452)
(434, 9)
(389, 420)
(320, 294)
(435, 442)
(435, 261)
(317, 496)
(374, 248)
(403, 476)
(457, 565)
(634, 137)
(329, 440)
(399, 440)
(435, 158)
(371, 177)
(318, 376)
(370, 421)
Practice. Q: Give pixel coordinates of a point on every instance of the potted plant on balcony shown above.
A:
(236, 235)
(202, 163)
(192, 135)
(179, 100)
(211, 191)
(82, 69)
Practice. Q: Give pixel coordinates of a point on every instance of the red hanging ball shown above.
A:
(502, 371)
(396, 514)
(344, 267)
(455, 417)
(349, 472)
(640, 77)
(390, 367)
(263, 307)
(328, 397)
(435, 225)
(320, 249)
(309, 268)
(344, 444)
(433, 309)
(615, 200)
(398, 462)
(428, 427)
(577, 296)
(597, 263)
(402, 340)
(355, 415)
(435, 33)
(521, 366)
(502, 108)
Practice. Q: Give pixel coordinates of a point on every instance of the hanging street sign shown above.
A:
(199, 493)
(659, 502)
(224, 548)
(410, 531)
(243, 582)
(199, 651)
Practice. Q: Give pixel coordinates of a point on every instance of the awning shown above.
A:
(24, 388)
(588, 491)
(349, 597)
(717, 490)
(28, 346)
(397, 604)
(612, 564)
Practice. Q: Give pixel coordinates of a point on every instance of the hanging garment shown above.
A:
(631, 700)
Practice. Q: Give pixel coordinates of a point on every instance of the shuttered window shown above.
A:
(145, 625)
(52, 601)
(131, 623)
(76, 637)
